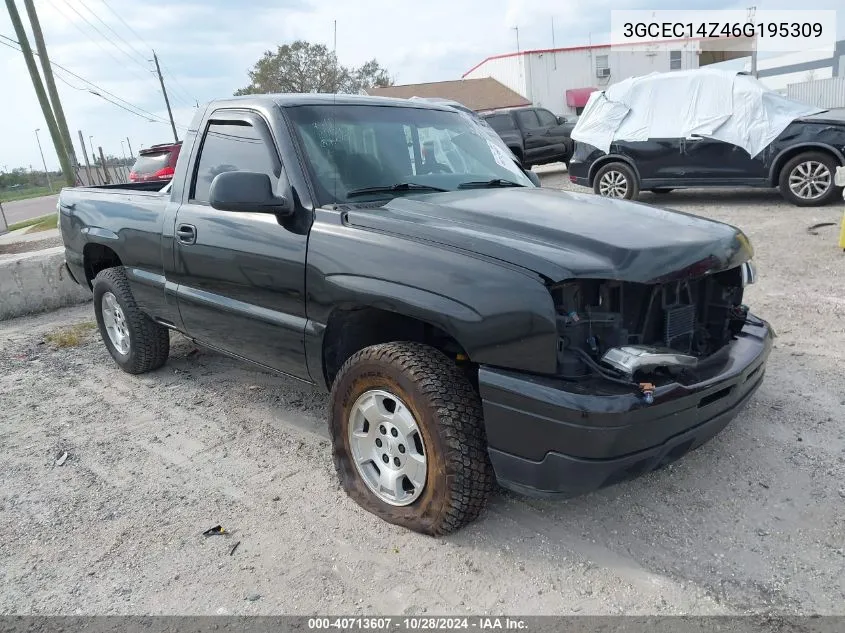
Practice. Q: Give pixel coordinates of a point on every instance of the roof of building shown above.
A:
(568, 49)
(477, 94)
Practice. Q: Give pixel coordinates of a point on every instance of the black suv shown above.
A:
(534, 135)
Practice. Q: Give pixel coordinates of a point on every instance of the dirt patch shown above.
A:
(28, 247)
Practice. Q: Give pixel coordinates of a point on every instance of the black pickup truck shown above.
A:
(469, 325)
(534, 135)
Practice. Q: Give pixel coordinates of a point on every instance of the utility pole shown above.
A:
(105, 169)
(751, 12)
(131, 155)
(516, 28)
(47, 70)
(44, 162)
(58, 144)
(85, 156)
(166, 100)
(554, 54)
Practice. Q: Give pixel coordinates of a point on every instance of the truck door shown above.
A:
(240, 276)
(533, 134)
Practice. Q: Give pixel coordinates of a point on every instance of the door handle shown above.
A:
(187, 233)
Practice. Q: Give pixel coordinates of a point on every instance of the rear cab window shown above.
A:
(230, 145)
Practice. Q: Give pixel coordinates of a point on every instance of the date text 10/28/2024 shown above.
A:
(417, 624)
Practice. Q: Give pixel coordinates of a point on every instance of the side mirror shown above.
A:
(246, 191)
(561, 120)
(533, 177)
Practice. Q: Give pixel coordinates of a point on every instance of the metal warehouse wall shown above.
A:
(822, 93)
(544, 77)
(550, 75)
(507, 70)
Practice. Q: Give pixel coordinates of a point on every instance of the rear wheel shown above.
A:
(616, 180)
(137, 343)
(408, 438)
(807, 179)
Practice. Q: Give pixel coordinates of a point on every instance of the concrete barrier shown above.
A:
(37, 282)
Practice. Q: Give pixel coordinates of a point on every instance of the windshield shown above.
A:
(350, 148)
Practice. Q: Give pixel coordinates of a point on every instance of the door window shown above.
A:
(547, 119)
(528, 119)
(230, 146)
(501, 122)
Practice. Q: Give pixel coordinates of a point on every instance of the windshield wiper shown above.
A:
(481, 184)
(402, 186)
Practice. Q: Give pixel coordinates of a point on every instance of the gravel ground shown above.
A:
(752, 522)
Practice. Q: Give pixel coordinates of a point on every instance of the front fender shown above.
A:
(501, 315)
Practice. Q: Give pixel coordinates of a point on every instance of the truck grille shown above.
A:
(693, 316)
(679, 327)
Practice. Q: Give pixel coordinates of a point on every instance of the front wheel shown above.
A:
(408, 438)
(807, 179)
(136, 343)
(616, 180)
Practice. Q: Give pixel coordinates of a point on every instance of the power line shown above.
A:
(103, 22)
(140, 111)
(129, 55)
(97, 42)
(185, 91)
(191, 100)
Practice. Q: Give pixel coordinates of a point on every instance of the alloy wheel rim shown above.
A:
(613, 184)
(387, 447)
(810, 180)
(114, 321)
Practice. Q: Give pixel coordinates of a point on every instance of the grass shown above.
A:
(24, 194)
(44, 223)
(71, 336)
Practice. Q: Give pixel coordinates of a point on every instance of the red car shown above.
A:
(156, 163)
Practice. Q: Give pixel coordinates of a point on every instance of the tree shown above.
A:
(306, 67)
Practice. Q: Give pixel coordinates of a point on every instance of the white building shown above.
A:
(561, 79)
(778, 72)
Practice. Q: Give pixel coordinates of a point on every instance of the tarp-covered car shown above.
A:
(706, 128)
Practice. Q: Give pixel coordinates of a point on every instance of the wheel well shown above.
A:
(788, 155)
(604, 160)
(96, 258)
(351, 330)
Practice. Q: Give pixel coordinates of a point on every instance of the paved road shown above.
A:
(26, 209)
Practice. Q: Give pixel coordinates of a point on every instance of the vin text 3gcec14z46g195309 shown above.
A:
(471, 326)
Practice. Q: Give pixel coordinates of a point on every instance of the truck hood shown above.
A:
(561, 235)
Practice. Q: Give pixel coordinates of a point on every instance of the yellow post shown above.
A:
(842, 234)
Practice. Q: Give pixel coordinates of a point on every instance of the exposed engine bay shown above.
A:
(633, 331)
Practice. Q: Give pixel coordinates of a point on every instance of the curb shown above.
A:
(37, 282)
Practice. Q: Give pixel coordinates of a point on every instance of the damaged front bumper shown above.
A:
(548, 436)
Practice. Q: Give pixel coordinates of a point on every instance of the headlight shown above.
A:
(749, 273)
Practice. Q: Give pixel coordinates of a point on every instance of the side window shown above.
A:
(501, 122)
(528, 119)
(547, 119)
(602, 66)
(230, 146)
(675, 60)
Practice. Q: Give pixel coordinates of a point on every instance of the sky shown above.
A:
(206, 49)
